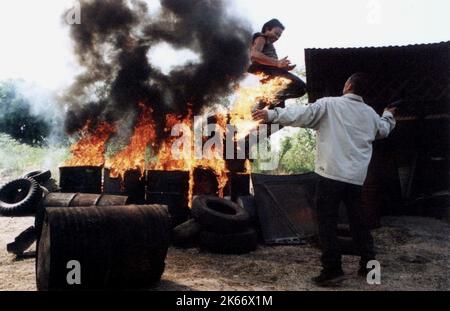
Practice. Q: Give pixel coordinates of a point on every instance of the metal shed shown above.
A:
(409, 172)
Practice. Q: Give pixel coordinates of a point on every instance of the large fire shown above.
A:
(248, 97)
(185, 159)
(133, 156)
(90, 149)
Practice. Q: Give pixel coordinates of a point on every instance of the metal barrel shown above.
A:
(59, 199)
(112, 247)
(170, 188)
(132, 184)
(85, 179)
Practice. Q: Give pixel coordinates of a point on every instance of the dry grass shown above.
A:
(399, 242)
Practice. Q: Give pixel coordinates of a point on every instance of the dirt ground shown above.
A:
(414, 254)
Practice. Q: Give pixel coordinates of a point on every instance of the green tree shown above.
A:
(298, 152)
(16, 118)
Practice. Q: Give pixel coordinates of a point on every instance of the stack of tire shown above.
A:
(21, 197)
(218, 226)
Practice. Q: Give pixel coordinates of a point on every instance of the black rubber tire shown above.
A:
(22, 242)
(40, 176)
(26, 204)
(218, 215)
(235, 243)
(186, 234)
(248, 203)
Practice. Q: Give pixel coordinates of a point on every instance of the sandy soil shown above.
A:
(414, 254)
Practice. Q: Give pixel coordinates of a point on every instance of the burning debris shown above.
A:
(113, 43)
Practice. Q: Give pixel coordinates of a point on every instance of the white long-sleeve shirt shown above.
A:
(346, 128)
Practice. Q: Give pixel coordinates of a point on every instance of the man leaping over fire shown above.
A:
(346, 128)
(265, 61)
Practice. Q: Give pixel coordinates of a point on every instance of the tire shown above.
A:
(219, 215)
(40, 176)
(185, 235)
(235, 243)
(15, 203)
(248, 203)
(22, 242)
(45, 191)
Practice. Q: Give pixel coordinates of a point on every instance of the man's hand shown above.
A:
(392, 110)
(291, 67)
(261, 115)
(284, 63)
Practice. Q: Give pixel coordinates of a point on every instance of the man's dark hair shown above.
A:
(360, 83)
(271, 25)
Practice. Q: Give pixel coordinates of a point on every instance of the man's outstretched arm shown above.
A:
(295, 115)
(386, 124)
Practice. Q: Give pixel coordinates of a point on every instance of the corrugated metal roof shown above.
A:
(427, 45)
(419, 73)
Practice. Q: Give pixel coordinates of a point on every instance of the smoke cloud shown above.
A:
(112, 45)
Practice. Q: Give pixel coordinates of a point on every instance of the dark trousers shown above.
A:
(329, 194)
(295, 89)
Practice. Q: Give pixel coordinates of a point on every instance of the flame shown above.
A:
(185, 159)
(133, 156)
(248, 97)
(90, 149)
(248, 167)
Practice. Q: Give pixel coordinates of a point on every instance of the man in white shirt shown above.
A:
(346, 128)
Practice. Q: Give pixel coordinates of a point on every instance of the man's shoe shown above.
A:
(329, 278)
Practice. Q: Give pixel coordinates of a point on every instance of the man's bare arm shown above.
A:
(258, 57)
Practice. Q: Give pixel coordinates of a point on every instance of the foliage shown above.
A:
(17, 158)
(16, 118)
(296, 154)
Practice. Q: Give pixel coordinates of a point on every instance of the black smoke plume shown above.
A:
(112, 43)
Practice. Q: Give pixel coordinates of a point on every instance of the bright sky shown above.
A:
(35, 45)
